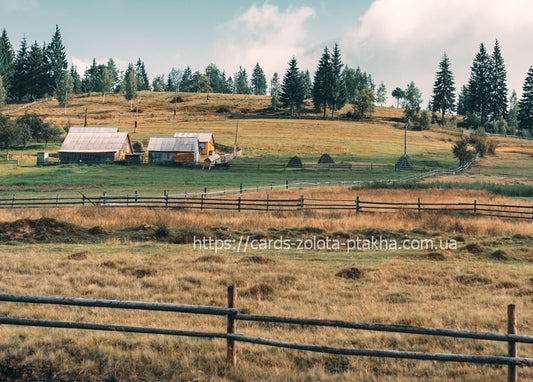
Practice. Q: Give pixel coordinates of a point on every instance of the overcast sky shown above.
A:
(396, 41)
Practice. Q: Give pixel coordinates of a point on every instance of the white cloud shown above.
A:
(266, 35)
(399, 41)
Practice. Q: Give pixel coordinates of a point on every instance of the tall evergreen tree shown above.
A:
(186, 80)
(275, 89)
(57, 59)
(412, 101)
(443, 89)
(258, 81)
(21, 71)
(39, 73)
(498, 106)
(113, 73)
(76, 80)
(106, 82)
(241, 82)
(338, 87)
(322, 82)
(7, 60)
(356, 79)
(158, 83)
(480, 86)
(462, 101)
(143, 83)
(525, 113)
(292, 90)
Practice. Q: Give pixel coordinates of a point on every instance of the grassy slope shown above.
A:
(449, 288)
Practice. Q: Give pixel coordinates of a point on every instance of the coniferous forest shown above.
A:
(35, 71)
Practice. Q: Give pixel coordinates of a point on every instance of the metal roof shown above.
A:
(92, 129)
(202, 137)
(94, 142)
(173, 144)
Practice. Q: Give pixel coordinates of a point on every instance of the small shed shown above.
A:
(206, 142)
(173, 150)
(95, 145)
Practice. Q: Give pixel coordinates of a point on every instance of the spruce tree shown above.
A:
(39, 73)
(525, 113)
(241, 82)
(143, 83)
(186, 80)
(443, 89)
(57, 59)
(76, 80)
(21, 71)
(307, 84)
(292, 90)
(3, 93)
(322, 82)
(478, 100)
(498, 106)
(258, 81)
(337, 98)
(7, 60)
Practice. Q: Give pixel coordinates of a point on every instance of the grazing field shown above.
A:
(476, 268)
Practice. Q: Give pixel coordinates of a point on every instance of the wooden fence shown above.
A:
(266, 204)
(232, 337)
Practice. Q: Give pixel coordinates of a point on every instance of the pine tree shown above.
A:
(39, 72)
(275, 91)
(292, 90)
(76, 80)
(241, 82)
(57, 59)
(443, 89)
(7, 60)
(525, 113)
(186, 80)
(322, 82)
(173, 80)
(338, 87)
(143, 83)
(412, 102)
(258, 81)
(307, 84)
(106, 82)
(66, 88)
(498, 106)
(21, 71)
(480, 86)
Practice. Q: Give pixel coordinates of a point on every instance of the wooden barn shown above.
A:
(94, 145)
(168, 150)
(206, 142)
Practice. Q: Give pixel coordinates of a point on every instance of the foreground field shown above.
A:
(117, 254)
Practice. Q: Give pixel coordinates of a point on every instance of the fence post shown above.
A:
(166, 198)
(239, 204)
(475, 207)
(301, 202)
(357, 204)
(419, 206)
(202, 202)
(205, 191)
(240, 189)
(232, 327)
(267, 202)
(287, 184)
(511, 329)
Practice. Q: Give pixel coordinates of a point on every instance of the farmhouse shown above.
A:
(206, 142)
(95, 145)
(167, 150)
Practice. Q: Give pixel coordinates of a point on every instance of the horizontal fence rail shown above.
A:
(204, 202)
(232, 336)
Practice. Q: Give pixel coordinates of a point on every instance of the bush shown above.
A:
(161, 231)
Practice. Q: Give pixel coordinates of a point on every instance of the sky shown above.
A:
(396, 41)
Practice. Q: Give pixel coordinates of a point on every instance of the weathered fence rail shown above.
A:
(232, 203)
(512, 360)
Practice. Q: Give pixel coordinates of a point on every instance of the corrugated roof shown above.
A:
(173, 144)
(92, 129)
(202, 137)
(94, 142)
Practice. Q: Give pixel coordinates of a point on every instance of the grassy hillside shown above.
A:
(266, 137)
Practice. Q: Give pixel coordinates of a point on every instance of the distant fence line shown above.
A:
(233, 337)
